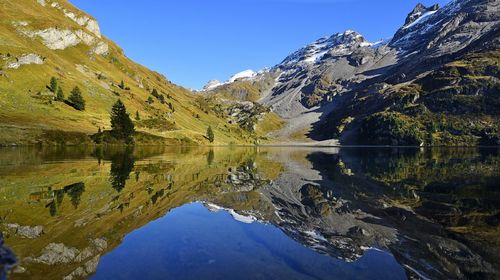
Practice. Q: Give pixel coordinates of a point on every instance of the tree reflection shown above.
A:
(75, 191)
(210, 157)
(122, 163)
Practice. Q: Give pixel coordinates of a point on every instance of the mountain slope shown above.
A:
(331, 88)
(43, 39)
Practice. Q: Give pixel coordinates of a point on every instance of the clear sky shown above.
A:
(193, 41)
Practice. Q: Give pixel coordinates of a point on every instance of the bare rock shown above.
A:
(26, 231)
(57, 253)
(26, 60)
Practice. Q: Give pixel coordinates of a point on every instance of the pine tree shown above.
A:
(154, 93)
(122, 126)
(60, 94)
(76, 100)
(210, 134)
(122, 85)
(53, 84)
(137, 116)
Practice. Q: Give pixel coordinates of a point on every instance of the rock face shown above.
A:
(26, 60)
(448, 30)
(62, 38)
(56, 39)
(90, 24)
(85, 270)
(57, 253)
(419, 12)
(26, 231)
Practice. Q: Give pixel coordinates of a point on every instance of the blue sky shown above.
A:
(193, 41)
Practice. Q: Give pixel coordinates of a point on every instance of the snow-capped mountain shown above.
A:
(338, 44)
(312, 84)
(241, 76)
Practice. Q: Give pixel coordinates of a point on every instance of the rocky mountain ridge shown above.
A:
(322, 81)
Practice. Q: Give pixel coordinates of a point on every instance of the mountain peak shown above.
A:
(342, 43)
(419, 12)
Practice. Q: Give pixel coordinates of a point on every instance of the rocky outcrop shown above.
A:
(55, 39)
(60, 39)
(58, 253)
(90, 24)
(85, 270)
(84, 20)
(26, 231)
(26, 59)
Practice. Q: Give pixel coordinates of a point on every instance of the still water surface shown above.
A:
(251, 213)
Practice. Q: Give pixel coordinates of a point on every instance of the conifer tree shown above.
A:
(154, 93)
(122, 126)
(53, 84)
(76, 100)
(137, 116)
(210, 134)
(60, 94)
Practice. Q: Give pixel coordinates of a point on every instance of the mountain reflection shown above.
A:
(436, 211)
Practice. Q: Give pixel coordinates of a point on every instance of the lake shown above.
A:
(251, 213)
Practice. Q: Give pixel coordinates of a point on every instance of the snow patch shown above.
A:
(242, 75)
(238, 217)
(420, 19)
(242, 218)
(315, 235)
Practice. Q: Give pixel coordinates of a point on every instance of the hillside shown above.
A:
(40, 39)
(435, 82)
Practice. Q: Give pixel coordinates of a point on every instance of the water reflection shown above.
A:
(432, 213)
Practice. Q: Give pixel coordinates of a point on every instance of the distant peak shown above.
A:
(418, 12)
(243, 75)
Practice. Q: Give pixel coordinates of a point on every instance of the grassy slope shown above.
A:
(25, 100)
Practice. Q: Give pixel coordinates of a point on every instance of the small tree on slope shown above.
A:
(122, 126)
(53, 84)
(76, 99)
(210, 134)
